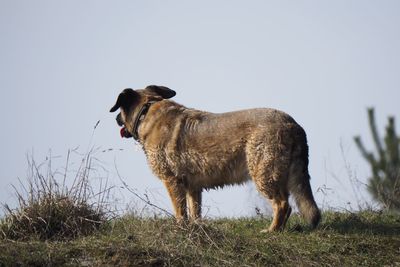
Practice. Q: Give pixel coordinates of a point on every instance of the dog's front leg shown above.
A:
(177, 192)
(194, 204)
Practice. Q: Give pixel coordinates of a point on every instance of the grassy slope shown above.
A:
(343, 239)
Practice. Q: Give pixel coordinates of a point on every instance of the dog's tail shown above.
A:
(299, 182)
(300, 187)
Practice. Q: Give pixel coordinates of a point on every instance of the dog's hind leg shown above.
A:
(281, 209)
(271, 183)
(194, 204)
(268, 160)
(177, 193)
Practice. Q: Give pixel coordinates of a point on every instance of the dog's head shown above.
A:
(131, 101)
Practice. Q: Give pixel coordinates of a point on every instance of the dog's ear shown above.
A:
(162, 91)
(125, 98)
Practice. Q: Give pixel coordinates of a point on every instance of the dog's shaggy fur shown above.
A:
(191, 150)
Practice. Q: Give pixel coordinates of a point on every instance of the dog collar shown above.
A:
(139, 118)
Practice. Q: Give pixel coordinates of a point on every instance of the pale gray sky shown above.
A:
(62, 64)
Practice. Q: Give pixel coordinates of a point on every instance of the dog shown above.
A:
(192, 150)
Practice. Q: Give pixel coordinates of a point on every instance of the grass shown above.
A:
(50, 209)
(343, 239)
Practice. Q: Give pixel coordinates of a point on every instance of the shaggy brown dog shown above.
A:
(192, 150)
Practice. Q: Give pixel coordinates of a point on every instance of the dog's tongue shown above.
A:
(124, 133)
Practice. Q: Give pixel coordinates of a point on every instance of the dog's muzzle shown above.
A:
(119, 120)
(124, 132)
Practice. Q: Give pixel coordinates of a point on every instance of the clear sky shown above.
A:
(63, 63)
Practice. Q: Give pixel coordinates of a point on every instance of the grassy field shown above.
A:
(342, 239)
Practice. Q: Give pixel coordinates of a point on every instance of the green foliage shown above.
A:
(384, 184)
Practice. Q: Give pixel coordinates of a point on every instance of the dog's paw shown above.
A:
(267, 231)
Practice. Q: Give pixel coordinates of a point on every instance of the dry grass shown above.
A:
(50, 209)
(343, 239)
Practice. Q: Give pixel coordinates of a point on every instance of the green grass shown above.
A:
(342, 239)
